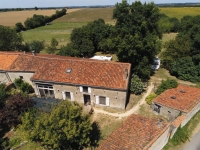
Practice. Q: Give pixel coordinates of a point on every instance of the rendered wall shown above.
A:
(117, 99)
(190, 114)
(161, 141)
(3, 77)
(169, 113)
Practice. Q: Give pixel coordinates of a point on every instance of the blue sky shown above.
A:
(55, 3)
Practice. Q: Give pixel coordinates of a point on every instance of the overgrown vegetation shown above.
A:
(166, 84)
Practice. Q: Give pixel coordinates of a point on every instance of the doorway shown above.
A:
(87, 100)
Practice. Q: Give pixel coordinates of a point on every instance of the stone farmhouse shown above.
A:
(86, 81)
(183, 100)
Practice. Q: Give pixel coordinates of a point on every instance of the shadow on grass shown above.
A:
(95, 135)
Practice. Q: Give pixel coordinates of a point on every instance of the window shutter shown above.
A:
(97, 99)
(81, 89)
(72, 96)
(107, 101)
(89, 89)
(64, 96)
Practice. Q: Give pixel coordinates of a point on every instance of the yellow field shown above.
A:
(179, 12)
(12, 17)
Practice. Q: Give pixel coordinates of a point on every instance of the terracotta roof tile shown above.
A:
(6, 60)
(84, 71)
(182, 98)
(135, 133)
(176, 123)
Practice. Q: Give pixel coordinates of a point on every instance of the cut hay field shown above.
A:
(179, 12)
(12, 17)
(88, 14)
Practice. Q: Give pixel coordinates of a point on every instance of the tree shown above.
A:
(19, 27)
(15, 106)
(35, 45)
(184, 69)
(137, 34)
(35, 8)
(69, 50)
(23, 86)
(137, 85)
(65, 127)
(51, 49)
(166, 84)
(174, 49)
(9, 39)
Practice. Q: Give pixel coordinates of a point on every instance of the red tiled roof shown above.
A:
(178, 121)
(6, 60)
(135, 133)
(52, 68)
(182, 98)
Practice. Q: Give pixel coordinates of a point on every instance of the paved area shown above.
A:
(194, 143)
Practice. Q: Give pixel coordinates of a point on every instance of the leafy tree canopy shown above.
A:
(35, 45)
(166, 84)
(15, 106)
(137, 86)
(52, 48)
(137, 34)
(65, 127)
(9, 39)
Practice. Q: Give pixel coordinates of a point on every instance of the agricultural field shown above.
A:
(12, 17)
(88, 15)
(179, 12)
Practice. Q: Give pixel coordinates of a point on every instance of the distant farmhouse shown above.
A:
(86, 81)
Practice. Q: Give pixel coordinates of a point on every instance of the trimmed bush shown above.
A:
(150, 97)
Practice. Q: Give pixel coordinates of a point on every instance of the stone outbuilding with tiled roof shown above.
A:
(181, 100)
(138, 133)
(84, 80)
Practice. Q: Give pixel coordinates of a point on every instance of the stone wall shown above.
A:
(190, 114)
(161, 141)
(117, 99)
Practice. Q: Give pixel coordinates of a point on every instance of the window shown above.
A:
(46, 90)
(102, 100)
(67, 95)
(21, 77)
(85, 89)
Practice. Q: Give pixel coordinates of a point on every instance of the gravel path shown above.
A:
(132, 110)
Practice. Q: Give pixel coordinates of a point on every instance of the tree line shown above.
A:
(39, 20)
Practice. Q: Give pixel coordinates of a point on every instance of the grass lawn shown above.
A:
(146, 111)
(107, 124)
(60, 31)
